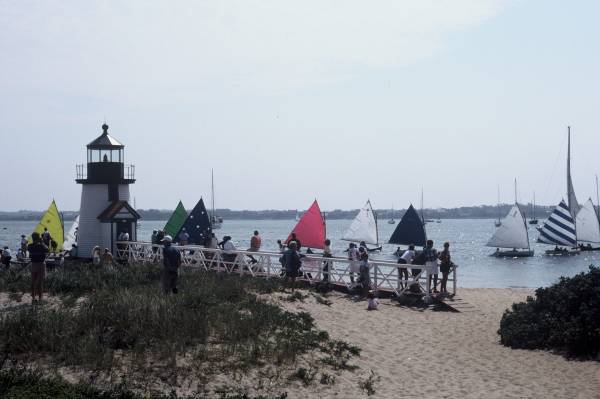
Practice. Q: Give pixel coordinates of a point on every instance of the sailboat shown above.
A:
(392, 221)
(197, 225)
(176, 220)
(533, 219)
(587, 227)
(364, 227)
(52, 221)
(410, 230)
(560, 229)
(512, 233)
(71, 236)
(214, 219)
(498, 222)
(311, 228)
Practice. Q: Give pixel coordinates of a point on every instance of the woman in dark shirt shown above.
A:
(37, 253)
(445, 264)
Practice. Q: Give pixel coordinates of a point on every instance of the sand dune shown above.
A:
(427, 354)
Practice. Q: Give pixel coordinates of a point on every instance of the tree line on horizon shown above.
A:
(464, 212)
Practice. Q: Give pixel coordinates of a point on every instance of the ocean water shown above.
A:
(467, 239)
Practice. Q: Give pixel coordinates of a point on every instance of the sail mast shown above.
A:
(212, 195)
(498, 206)
(422, 215)
(597, 199)
(571, 198)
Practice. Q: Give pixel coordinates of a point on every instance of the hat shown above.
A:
(167, 238)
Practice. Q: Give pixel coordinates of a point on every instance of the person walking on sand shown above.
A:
(171, 263)
(431, 265)
(405, 259)
(445, 264)
(37, 253)
(292, 264)
(353, 257)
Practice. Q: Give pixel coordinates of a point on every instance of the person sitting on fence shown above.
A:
(445, 265)
(171, 263)
(364, 276)
(373, 303)
(292, 263)
(431, 265)
(406, 259)
(281, 246)
(229, 255)
(255, 243)
(327, 253)
(353, 257)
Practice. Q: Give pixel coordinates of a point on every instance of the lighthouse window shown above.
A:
(94, 155)
(105, 155)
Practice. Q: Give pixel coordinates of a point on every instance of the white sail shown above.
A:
(363, 227)
(588, 227)
(71, 237)
(512, 233)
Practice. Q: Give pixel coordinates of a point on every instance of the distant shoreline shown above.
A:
(467, 212)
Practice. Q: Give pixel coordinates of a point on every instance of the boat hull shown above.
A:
(552, 252)
(513, 254)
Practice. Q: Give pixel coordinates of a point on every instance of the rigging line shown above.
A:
(551, 177)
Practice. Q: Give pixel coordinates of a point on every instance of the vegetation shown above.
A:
(127, 326)
(564, 317)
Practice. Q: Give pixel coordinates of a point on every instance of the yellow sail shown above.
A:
(53, 222)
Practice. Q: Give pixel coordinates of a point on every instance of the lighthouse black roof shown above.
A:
(105, 141)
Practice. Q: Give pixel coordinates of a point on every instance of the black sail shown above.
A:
(197, 225)
(410, 230)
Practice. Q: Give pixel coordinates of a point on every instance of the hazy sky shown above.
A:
(294, 100)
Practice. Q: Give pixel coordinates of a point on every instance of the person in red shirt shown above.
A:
(255, 243)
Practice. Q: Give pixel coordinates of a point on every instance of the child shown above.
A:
(373, 301)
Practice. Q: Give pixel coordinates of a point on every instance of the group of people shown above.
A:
(431, 261)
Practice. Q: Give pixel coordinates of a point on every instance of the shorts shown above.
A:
(38, 272)
(354, 266)
(292, 273)
(445, 268)
(431, 267)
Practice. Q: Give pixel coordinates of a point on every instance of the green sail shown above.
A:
(176, 220)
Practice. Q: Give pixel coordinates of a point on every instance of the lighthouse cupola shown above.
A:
(105, 213)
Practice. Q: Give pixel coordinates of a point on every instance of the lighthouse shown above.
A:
(105, 211)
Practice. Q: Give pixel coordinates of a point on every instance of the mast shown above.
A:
(597, 199)
(498, 206)
(422, 215)
(571, 199)
(533, 209)
(516, 202)
(212, 195)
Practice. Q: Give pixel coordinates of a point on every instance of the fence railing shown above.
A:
(384, 275)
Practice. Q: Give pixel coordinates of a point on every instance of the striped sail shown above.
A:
(559, 229)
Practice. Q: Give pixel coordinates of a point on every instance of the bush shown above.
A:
(564, 317)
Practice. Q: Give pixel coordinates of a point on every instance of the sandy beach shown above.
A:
(427, 354)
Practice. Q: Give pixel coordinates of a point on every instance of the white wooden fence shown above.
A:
(315, 268)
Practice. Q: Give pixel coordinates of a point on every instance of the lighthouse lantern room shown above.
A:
(105, 212)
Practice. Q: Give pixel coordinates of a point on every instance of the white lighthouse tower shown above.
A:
(105, 211)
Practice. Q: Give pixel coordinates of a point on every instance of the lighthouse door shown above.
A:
(124, 226)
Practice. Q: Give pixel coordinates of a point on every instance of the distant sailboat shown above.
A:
(214, 219)
(52, 221)
(311, 228)
(410, 229)
(533, 219)
(587, 227)
(363, 227)
(498, 222)
(71, 236)
(560, 229)
(392, 221)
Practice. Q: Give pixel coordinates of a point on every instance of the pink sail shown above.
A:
(310, 229)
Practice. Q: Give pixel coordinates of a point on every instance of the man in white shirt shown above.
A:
(405, 259)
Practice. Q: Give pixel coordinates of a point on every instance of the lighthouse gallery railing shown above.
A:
(384, 274)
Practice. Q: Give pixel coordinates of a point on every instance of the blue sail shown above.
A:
(197, 225)
(559, 229)
(410, 230)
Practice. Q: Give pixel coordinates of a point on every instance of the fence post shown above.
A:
(375, 279)
(454, 281)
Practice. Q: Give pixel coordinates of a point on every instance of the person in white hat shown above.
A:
(171, 262)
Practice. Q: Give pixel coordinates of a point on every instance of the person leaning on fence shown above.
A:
(327, 253)
(405, 259)
(37, 253)
(292, 263)
(445, 265)
(171, 263)
(354, 258)
(364, 276)
(431, 265)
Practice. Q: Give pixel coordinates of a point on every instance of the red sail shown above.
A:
(310, 230)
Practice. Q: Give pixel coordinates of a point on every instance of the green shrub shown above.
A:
(564, 317)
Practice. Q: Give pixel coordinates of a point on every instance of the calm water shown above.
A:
(467, 239)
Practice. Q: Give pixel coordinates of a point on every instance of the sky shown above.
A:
(289, 101)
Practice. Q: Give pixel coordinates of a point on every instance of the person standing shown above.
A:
(294, 238)
(353, 257)
(107, 258)
(171, 263)
(445, 264)
(24, 243)
(6, 257)
(327, 253)
(37, 253)
(183, 237)
(405, 259)
(431, 265)
(292, 263)
(46, 237)
(364, 276)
